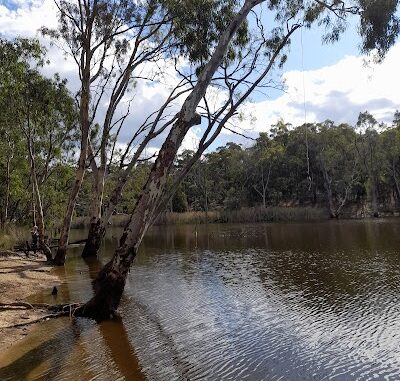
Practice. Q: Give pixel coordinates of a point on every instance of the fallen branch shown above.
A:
(46, 317)
(58, 310)
(49, 307)
(14, 305)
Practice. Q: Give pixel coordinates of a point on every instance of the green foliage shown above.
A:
(347, 164)
(37, 112)
(179, 202)
(379, 25)
(198, 24)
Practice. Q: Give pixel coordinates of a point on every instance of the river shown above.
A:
(311, 301)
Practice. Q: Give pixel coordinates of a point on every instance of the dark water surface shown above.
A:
(314, 301)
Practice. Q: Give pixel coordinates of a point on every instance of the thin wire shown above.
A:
(305, 109)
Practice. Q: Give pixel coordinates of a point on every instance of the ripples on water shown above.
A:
(254, 302)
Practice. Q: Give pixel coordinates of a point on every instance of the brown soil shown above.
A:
(21, 276)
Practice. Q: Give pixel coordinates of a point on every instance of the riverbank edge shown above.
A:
(272, 214)
(20, 277)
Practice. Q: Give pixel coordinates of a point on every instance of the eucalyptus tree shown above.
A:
(14, 57)
(390, 144)
(265, 154)
(111, 42)
(88, 32)
(37, 111)
(110, 282)
(370, 154)
(241, 78)
(49, 131)
(338, 162)
(89, 44)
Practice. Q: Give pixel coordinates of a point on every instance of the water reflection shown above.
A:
(233, 302)
(75, 348)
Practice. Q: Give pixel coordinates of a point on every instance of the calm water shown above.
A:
(315, 301)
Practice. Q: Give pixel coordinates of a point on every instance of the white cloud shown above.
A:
(337, 92)
(27, 17)
(25, 21)
(190, 142)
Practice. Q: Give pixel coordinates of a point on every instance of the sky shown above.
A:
(322, 81)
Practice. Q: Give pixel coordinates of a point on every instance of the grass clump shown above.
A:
(12, 235)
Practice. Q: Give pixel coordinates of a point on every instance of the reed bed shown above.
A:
(254, 214)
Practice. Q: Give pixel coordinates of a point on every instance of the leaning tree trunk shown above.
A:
(40, 223)
(124, 175)
(59, 259)
(39, 213)
(98, 225)
(110, 281)
(8, 179)
(96, 230)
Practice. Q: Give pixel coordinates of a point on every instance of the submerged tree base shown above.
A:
(108, 288)
(59, 259)
(93, 242)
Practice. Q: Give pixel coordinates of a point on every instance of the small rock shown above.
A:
(55, 291)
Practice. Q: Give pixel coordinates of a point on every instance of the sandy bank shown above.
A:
(20, 277)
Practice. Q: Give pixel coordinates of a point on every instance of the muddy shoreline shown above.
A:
(20, 277)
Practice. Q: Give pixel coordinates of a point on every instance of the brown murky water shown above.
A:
(315, 301)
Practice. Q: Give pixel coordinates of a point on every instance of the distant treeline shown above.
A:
(350, 170)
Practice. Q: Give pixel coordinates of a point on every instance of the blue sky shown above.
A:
(10, 4)
(337, 85)
(317, 54)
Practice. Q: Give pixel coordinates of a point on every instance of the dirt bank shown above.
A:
(21, 276)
